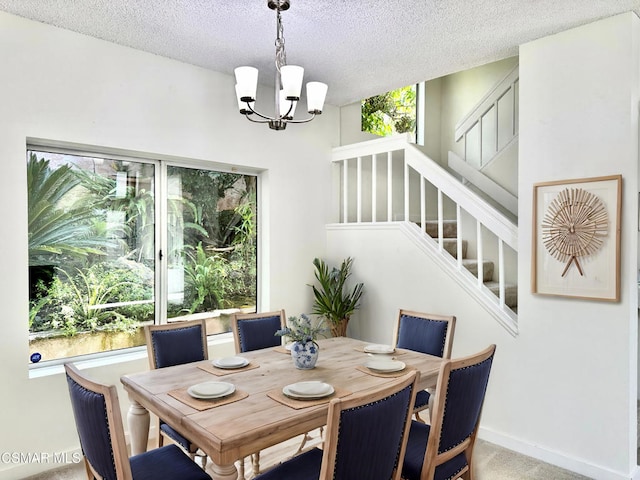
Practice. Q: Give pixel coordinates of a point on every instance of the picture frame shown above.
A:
(576, 238)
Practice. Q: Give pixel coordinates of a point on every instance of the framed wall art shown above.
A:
(576, 238)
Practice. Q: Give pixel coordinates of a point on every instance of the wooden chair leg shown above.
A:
(241, 469)
(160, 435)
(429, 408)
(255, 461)
(306, 438)
(202, 456)
(90, 475)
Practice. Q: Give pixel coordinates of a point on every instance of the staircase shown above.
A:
(469, 232)
(390, 181)
(450, 243)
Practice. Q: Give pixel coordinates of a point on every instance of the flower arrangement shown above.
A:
(302, 329)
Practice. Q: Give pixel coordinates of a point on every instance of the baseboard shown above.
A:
(573, 464)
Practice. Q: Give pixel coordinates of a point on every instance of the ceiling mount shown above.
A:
(280, 5)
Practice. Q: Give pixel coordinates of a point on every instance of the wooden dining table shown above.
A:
(257, 415)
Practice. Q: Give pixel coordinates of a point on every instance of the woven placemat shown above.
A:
(402, 372)
(282, 350)
(182, 395)
(208, 367)
(280, 397)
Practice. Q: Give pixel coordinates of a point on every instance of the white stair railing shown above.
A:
(360, 172)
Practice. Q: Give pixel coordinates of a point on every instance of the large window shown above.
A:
(116, 243)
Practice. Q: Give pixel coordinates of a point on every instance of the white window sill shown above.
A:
(128, 355)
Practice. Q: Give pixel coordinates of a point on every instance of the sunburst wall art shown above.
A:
(576, 229)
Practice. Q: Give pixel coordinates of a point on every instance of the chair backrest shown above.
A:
(99, 423)
(425, 332)
(253, 331)
(457, 408)
(176, 343)
(367, 434)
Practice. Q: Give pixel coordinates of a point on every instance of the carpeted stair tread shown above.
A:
(451, 246)
(449, 228)
(487, 268)
(510, 292)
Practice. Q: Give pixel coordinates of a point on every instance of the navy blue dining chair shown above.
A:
(99, 423)
(365, 438)
(444, 449)
(255, 331)
(425, 333)
(175, 344)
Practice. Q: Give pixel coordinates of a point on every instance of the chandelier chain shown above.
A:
(281, 54)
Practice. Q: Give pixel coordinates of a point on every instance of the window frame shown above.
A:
(161, 164)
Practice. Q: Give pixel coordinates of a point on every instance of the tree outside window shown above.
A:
(390, 113)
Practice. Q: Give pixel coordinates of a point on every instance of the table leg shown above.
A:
(222, 472)
(138, 419)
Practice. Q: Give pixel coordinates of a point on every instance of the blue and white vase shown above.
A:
(305, 355)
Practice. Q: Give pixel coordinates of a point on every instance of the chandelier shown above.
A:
(288, 85)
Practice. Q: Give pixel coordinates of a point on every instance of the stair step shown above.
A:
(510, 293)
(451, 246)
(449, 228)
(487, 268)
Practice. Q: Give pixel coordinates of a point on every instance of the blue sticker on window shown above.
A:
(35, 357)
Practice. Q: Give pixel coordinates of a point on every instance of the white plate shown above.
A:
(231, 362)
(385, 365)
(375, 348)
(313, 388)
(209, 390)
(288, 346)
(287, 391)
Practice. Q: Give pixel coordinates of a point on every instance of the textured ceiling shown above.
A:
(359, 47)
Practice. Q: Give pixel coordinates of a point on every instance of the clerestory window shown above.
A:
(391, 112)
(116, 243)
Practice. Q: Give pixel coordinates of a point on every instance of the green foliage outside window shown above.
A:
(92, 243)
(390, 113)
(73, 299)
(59, 229)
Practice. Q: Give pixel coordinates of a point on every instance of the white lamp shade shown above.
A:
(247, 82)
(316, 93)
(285, 104)
(291, 78)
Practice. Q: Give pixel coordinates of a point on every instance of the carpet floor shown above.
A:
(491, 461)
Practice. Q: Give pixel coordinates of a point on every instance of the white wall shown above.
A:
(564, 389)
(67, 87)
(461, 92)
(579, 118)
(351, 115)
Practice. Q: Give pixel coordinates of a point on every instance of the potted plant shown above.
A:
(332, 299)
(303, 333)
